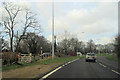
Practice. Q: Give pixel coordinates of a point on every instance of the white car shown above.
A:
(90, 57)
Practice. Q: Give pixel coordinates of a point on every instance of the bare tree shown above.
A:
(91, 46)
(30, 22)
(69, 42)
(74, 44)
(12, 11)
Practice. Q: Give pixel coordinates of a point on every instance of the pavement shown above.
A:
(81, 69)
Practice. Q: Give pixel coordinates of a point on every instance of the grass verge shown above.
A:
(44, 62)
(109, 56)
(112, 57)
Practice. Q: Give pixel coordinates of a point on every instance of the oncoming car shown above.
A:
(90, 57)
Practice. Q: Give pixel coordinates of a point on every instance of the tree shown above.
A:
(65, 41)
(32, 43)
(81, 47)
(91, 46)
(30, 22)
(69, 42)
(12, 11)
(10, 21)
(74, 44)
(117, 45)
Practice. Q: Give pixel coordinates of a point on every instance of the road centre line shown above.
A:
(102, 65)
(111, 70)
(115, 72)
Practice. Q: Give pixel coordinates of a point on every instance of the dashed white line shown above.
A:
(115, 72)
(111, 70)
(102, 65)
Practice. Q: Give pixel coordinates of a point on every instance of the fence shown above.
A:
(27, 58)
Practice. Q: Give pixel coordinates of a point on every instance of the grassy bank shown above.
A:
(44, 62)
(58, 60)
(112, 57)
(109, 56)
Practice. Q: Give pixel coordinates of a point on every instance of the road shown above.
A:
(82, 69)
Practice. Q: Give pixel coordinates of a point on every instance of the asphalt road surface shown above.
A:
(82, 69)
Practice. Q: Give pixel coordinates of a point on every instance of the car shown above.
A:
(90, 57)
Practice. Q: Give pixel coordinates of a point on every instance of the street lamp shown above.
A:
(52, 29)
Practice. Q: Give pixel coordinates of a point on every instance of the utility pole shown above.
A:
(52, 29)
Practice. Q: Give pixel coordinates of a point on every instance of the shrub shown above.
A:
(60, 55)
(8, 57)
(72, 53)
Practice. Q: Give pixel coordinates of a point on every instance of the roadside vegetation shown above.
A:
(113, 56)
(28, 39)
(44, 62)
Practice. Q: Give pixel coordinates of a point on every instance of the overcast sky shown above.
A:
(86, 19)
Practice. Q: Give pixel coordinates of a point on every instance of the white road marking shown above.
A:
(115, 72)
(63, 65)
(69, 62)
(66, 63)
(51, 73)
(109, 68)
(56, 69)
(102, 65)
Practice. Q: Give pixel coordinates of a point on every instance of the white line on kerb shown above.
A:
(66, 63)
(115, 72)
(51, 72)
(57, 69)
(69, 62)
(63, 65)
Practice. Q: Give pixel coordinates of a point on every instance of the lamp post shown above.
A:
(84, 46)
(41, 50)
(52, 29)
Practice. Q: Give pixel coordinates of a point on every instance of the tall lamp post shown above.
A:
(84, 46)
(52, 29)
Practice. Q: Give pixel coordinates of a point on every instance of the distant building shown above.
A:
(79, 54)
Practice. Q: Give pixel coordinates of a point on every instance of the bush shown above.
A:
(8, 58)
(72, 53)
(60, 55)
